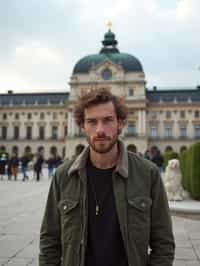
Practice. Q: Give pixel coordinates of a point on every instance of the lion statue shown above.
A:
(172, 181)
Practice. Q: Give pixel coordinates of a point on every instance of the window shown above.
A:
(65, 131)
(16, 132)
(130, 92)
(55, 116)
(168, 131)
(54, 132)
(4, 132)
(182, 114)
(29, 132)
(29, 116)
(41, 132)
(154, 132)
(4, 116)
(154, 115)
(183, 131)
(131, 130)
(16, 116)
(168, 114)
(196, 114)
(41, 116)
(197, 131)
(66, 115)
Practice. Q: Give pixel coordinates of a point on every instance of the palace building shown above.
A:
(169, 119)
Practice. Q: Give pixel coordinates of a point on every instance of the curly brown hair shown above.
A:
(98, 96)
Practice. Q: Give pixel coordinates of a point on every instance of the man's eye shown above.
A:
(91, 122)
(107, 120)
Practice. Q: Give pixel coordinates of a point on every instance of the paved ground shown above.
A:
(21, 210)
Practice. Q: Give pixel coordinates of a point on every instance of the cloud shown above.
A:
(42, 40)
(188, 10)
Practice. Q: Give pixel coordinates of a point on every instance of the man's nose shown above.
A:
(100, 127)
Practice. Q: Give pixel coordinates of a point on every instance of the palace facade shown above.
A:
(169, 119)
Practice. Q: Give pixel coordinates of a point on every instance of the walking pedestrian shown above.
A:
(14, 164)
(38, 165)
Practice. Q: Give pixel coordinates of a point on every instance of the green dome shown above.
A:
(109, 51)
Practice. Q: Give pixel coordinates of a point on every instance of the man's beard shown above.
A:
(105, 146)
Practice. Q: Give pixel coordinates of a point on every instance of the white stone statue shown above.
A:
(172, 181)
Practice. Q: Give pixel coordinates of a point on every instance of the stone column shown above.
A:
(139, 131)
(144, 127)
(73, 127)
(48, 130)
(69, 124)
(22, 131)
(35, 130)
(10, 131)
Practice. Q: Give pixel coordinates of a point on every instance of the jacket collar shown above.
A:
(122, 164)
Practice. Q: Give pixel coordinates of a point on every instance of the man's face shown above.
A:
(101, 127)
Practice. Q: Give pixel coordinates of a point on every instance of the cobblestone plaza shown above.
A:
(21, 209)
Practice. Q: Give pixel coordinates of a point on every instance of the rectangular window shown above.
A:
(4, 132)
(55, 115)
(168, 131)
(41, 132)
(65, 131)
(154, 132)
(154, 115)
(54, 134)
(197, 131)
(17, 116)
(29, 132)
(182, 114)
(168, 114)
(196, 114)
(130, 92)
(131, 130)
(29, 115)
(16, 132)
(183, 131)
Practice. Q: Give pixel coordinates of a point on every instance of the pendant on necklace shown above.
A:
(97, 209)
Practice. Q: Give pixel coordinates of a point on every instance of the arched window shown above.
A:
(168, 149)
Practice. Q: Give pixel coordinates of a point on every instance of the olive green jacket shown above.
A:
(141, 205)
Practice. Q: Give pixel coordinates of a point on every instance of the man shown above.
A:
(108, 207)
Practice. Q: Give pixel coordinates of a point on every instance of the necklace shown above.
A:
(95, 197)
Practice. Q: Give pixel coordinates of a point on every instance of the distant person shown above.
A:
(14, 164)
(157, 158)
(25, 159)
(39, 160)
(51, 165)
(132, 148)
(3, 164)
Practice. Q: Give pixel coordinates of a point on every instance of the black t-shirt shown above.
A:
(105, 245)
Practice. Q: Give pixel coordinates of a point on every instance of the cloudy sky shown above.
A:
(41, 40)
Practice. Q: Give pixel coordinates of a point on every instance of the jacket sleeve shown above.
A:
(162, 245)
(50, 240)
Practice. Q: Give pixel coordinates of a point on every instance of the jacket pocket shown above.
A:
(139, 219)
(139, 211)
(70, 220)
